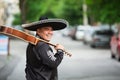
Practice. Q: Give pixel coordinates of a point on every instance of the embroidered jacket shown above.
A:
(41, 63)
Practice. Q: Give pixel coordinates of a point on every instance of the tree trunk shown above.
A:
(22, 5)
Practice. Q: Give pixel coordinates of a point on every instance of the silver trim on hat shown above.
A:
(45, 21)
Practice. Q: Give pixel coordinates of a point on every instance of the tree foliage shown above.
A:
(105, 11)
(70, 10)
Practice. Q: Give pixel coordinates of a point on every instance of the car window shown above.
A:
(104, 32)
(117, 33)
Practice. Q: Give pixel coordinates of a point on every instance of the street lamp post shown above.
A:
(85, 18)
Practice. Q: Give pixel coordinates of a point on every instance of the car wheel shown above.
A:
(73, 38)
(118, 56)
(112, 55)
(85, 42)
(93, 46)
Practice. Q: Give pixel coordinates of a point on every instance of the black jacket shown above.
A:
(41, 63)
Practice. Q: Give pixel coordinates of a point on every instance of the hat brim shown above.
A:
(56, 24)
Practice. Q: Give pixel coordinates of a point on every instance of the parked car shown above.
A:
(65, 32)
(77, 33)
(72, 32)
(80, 32)
(101, 38)
(115, 46)
(87, 39)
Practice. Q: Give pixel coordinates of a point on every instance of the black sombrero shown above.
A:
(56, 24)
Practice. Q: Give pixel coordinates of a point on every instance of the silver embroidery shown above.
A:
(51, 55)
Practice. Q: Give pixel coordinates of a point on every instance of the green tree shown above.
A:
(20, 18)
(105, 11)
(70, 10)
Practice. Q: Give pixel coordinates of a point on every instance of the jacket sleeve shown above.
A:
(47, 56)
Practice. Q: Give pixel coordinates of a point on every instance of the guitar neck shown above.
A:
(24, 36)
(21, 35)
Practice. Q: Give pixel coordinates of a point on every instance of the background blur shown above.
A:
(77, 12)
(93, 37)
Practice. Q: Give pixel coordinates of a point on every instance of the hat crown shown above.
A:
(56, 24)
(43, 18)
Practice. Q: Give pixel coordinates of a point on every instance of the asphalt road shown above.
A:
(85, 64)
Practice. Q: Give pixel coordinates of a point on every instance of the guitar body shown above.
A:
(18, 34)
(24, 36)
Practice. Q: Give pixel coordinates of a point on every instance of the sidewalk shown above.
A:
(4, 60)
(15, 45)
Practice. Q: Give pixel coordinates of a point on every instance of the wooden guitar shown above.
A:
(24, 36)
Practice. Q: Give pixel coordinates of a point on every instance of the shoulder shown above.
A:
(42, 45)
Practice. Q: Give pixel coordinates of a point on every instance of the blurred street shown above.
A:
(86, 63)
(97, 26)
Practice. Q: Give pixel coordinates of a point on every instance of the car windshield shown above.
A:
(104, 32)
